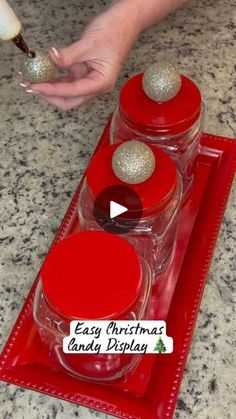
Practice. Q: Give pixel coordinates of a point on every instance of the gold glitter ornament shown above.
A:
(38, 69)
(133, 162)
(161, 82)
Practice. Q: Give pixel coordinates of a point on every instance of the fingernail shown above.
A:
(24, 85)
(55, 52)
(32, 91)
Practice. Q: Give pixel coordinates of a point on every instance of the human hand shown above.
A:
(92, 64)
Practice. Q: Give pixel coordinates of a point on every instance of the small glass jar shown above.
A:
(90, 275)
(175, 126)
(154, 235)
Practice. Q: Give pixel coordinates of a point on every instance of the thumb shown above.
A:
(65, 57)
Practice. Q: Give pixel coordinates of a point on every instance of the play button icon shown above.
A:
(118, 209)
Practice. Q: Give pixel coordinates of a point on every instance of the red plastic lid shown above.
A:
(169, 118)
(155, 193)
(92, 275)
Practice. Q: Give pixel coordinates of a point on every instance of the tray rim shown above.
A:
(67, 221)
(216, 225)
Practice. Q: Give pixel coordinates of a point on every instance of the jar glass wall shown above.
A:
(154, 237)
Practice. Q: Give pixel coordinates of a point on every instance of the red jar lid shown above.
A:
(92, 275)
(155, 193)
(152, 118)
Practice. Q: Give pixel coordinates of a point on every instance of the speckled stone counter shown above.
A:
(43, 155)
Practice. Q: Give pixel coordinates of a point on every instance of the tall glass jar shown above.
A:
(90, 275)
(175, 126)
(154, 234)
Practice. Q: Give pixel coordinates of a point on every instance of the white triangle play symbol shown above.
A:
(116, 209)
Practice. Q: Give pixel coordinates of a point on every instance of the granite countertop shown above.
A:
(43, 155)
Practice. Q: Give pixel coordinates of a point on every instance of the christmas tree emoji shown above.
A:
(160, 347)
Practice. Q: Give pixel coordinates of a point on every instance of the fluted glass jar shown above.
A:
(90, 275)
(154, 234)
(176, 126)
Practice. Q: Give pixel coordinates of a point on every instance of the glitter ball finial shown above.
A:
(161, 82)
(39, 68)
(133, 162)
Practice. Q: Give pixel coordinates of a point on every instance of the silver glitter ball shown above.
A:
(39, 68)
(133, 162)
(161, 82)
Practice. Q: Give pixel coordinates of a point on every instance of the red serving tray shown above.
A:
(175, 298)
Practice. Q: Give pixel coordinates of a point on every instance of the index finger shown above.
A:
(80, 87)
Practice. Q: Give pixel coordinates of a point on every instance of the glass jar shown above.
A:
(90, 275)
(154, 234)
(175, 126)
